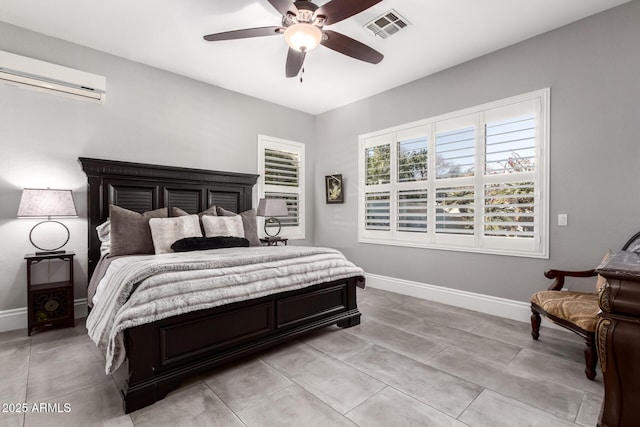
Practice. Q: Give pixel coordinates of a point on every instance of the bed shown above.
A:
(160, 354)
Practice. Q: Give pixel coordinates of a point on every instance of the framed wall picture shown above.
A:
(334, 191)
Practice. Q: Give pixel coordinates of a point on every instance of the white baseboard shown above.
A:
(502, 307)
(17, 318)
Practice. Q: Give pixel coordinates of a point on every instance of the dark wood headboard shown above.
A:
(142, 187)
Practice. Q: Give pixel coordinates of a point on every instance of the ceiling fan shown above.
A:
(303, 28)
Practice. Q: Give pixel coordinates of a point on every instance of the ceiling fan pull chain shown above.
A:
(301, 73)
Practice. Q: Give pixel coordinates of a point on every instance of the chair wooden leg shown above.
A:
(590, 357)
(535, 324)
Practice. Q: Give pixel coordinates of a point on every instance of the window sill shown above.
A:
(488, 251)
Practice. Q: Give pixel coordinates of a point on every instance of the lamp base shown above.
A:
(53, 249)
(50, 252)
(272, 220)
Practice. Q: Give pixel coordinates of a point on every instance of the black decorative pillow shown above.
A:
(201, 243)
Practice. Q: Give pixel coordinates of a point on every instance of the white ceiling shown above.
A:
(168, 34)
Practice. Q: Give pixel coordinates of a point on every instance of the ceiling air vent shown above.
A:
(387, 24)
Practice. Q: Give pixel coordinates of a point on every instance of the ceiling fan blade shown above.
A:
(337, 10)
(284, 7)
(350, 47)
(244, 34)
(295, 60)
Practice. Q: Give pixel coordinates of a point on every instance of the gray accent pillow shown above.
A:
(175, 211)
(130, 233)
(166, 231)
(249, 222)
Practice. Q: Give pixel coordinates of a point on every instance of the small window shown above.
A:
(281, 169)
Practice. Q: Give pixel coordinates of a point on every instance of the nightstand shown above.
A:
(50, 304)
(273, 241)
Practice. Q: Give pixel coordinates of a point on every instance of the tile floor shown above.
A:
(411, 362)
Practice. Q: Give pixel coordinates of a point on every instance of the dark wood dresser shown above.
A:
(618, 340)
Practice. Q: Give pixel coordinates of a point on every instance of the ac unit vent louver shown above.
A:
(43, 76)
(387, 24)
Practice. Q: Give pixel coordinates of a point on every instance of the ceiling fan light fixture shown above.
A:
(303, 36)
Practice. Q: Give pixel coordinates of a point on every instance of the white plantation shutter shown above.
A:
(412, 211)
(455, 210)
(509, 210)
(281, 169)
(411, 192)
(471, 180)
(374, 205)
(511, 196)
(378, 164)
(510, 145)
(378, 211)
(455, 153)
(412, 159)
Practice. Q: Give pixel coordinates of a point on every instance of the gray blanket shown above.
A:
(171, 284)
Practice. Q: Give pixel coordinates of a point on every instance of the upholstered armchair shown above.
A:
(576, 311)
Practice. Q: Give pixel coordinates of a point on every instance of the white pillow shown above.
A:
(165, 231)
(104, 234)
(228, 226)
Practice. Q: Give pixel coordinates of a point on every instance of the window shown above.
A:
(281, 169)
(472, 180)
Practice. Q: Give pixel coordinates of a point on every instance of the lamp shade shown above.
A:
(44, 203)
(272, 207)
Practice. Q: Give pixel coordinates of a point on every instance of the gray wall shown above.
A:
(593, 69)
(150, 116)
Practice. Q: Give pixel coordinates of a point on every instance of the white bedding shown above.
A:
(171, 284)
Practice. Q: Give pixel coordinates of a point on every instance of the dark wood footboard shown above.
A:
(161, 354)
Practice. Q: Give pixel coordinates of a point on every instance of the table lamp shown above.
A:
(47, 203)
(272, 208)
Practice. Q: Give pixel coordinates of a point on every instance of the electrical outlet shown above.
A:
(563, 219)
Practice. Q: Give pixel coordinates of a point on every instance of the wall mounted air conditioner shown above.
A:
(38, 75)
